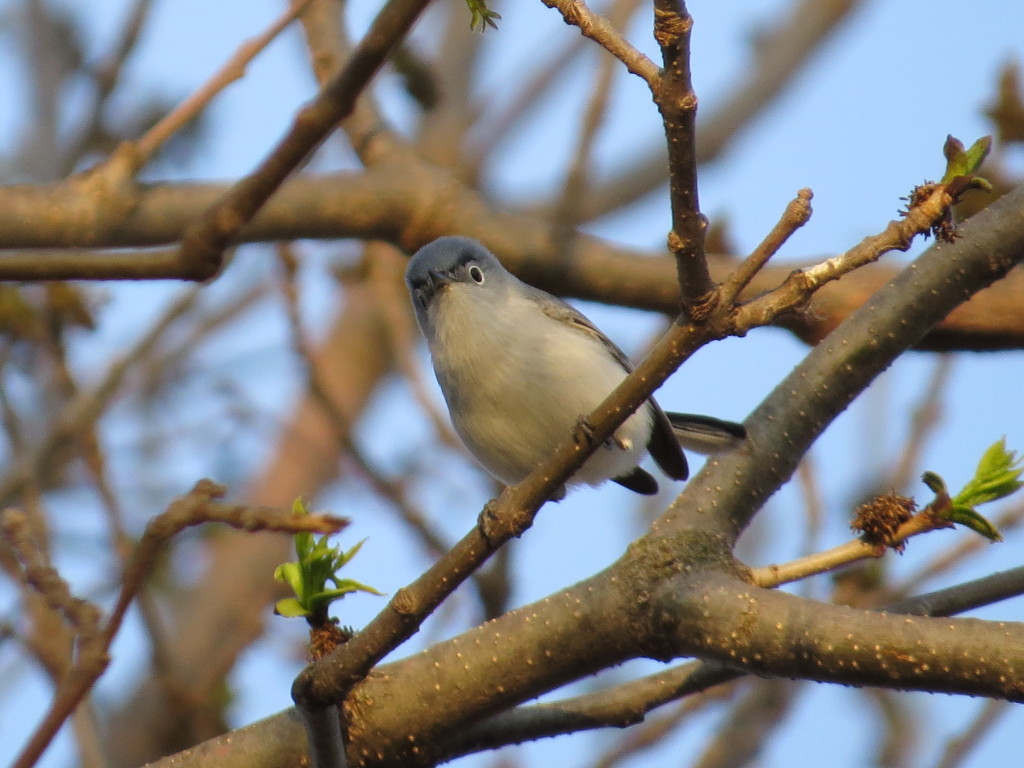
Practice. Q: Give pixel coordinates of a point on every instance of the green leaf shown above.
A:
(317, 566)
(998, 475)
(290, 608)
(976, 155)
(345, 557)
(960, 162)
(290, 574)
(344, 586)
(968, 517)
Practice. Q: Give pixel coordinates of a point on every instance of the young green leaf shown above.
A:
(998, 475)
(289, 607)
(965, 163)
(969, 518)
(317, 566)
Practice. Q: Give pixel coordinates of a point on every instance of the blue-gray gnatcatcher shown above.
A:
(519, 367)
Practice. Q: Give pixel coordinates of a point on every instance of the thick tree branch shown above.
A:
(403, 714)
(410, 207)
(629, 703)
(769, 632)
(129, 264)
(840, 367)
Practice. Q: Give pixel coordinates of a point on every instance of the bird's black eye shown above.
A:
(476, 274)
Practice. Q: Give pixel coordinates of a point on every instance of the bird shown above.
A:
(519, 368)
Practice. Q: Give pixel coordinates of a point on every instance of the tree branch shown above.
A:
(774, 633)
(410, 207)
(555, 640)
(629, 703)
(780, 53)
(600, 30)
(839, 368)
(677, 104)
(203, 244)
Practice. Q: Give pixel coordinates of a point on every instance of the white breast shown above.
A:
(517, 383)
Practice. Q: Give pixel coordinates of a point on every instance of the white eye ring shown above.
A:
(476, 274)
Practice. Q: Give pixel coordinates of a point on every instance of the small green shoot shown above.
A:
(998, 475)
(964, 163)
(481, 16)
(317, 567)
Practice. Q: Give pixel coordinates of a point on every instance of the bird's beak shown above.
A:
(439, 279)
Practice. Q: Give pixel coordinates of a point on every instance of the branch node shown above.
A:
(403, 603)
(669, 26)
(701, 308)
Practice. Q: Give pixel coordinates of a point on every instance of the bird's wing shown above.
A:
(564, 312)
(663, 446)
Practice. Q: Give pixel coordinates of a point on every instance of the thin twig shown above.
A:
(401, 328)
(367, 131)
(673, 93)
(203, 244)
(845, 554)
(600, 30)
(656, 728)
(958, 748)
(810, 488)
(567, 212)
(1010, 519)
(677, 104)
(160, 370)
(79, 413)
(234, 69)
(503, 112)
(898, 739)
(781, 50)
(797, 213)
(81, 615)
(897, 236)
(123, 544)
(106, 76)
(749, 724)
(340, 422)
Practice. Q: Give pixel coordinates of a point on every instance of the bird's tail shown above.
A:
(704, 434)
